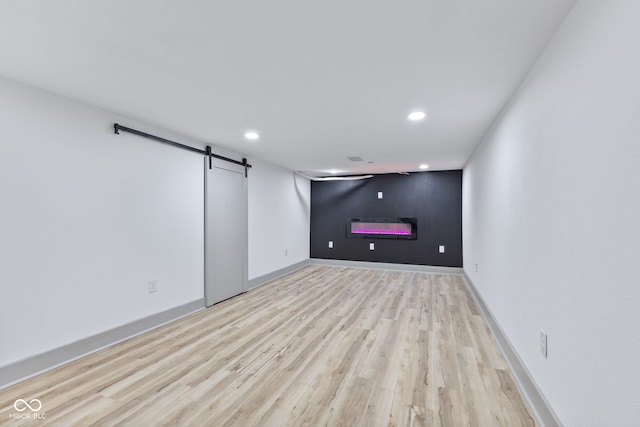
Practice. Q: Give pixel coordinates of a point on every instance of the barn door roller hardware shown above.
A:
(117, 128)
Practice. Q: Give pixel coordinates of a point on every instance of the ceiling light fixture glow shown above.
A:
(424, 166)
(251, 135)
(417, 115)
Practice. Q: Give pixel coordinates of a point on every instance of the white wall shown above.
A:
(88, 217)
(552, 217)
(279, 212)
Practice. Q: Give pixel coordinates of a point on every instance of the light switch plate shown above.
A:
(330, 244)
(371, 246)
(379, 194)
(441, 249)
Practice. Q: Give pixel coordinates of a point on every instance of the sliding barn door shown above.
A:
(225, 231)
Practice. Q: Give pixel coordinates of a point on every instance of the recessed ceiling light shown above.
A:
(423, 166)
(251, 135)
(333, 171)
(417, 115)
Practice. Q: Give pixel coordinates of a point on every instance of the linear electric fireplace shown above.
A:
(382, 228)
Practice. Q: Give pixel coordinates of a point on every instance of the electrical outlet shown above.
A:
(543, 343)
(330, 244)
(153, 286)
(372, 246)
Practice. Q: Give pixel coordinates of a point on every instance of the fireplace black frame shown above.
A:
(413, 222)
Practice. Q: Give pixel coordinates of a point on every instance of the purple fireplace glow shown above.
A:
(389, 228)
(402, 229)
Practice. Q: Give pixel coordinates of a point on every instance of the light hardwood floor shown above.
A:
(323, 346)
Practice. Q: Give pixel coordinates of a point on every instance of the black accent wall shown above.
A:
(434, 198)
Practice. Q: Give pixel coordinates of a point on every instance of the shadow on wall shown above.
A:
(304, 203)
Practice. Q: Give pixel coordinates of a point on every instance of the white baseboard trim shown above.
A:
(34, 365)
(388, 266)
(543, 412)
(263, 280)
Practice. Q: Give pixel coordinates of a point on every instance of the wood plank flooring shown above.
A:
(323, 346)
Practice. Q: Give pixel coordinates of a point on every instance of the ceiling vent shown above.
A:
(355, 158)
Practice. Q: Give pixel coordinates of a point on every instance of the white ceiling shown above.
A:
(318, 80)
